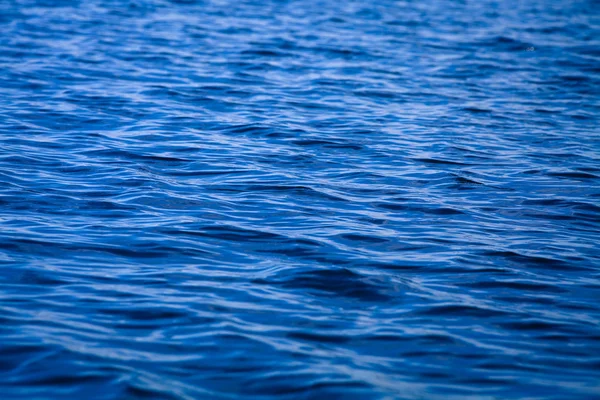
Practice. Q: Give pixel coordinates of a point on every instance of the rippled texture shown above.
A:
(299, 199)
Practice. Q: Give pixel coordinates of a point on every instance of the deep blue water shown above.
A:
(299, 199)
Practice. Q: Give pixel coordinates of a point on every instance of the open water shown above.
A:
(299, 199)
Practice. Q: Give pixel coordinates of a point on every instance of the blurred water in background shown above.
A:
(299, 199)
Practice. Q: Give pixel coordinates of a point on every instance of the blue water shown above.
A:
(299, 199)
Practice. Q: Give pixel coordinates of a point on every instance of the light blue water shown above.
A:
(299, 199)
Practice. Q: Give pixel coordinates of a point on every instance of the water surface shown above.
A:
(299, 199)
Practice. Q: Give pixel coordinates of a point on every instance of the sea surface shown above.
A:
(310, 199)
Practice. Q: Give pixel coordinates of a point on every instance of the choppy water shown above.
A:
(299, 199)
